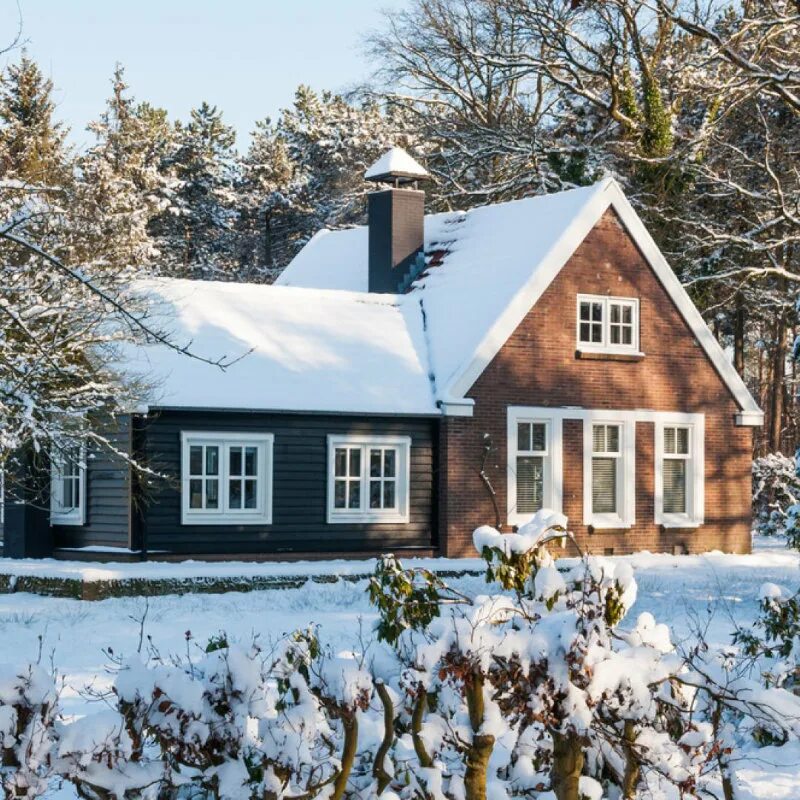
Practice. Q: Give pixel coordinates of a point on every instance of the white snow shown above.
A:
(302, 350)
(398, 161)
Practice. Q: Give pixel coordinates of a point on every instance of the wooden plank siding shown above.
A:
(108, 494)
(299, 489)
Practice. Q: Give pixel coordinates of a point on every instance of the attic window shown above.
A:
(608, 324)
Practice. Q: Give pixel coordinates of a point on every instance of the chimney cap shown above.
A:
(396, 166)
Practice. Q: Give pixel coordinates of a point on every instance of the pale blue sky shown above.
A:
(245, 56)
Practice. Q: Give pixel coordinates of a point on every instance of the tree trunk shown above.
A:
(348, 755)
(738, 335)
(778, 376)
(480, 751)
(420, 707)
(379, 768)
(632, 769)
(567, 765)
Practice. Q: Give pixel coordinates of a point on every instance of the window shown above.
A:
(68, 486)
(609, 471)
(226, 478)
(534, 463)
(679, 478)
(368, 478)
(608, 324)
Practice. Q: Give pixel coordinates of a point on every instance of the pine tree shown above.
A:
(32, 143)
(122, 183)
(196, 235)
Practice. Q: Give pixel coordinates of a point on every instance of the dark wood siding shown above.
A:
(299, 486)
(108, 494)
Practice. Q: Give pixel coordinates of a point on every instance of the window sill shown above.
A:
(677, 524)
(609, 525)
(217, 520)
(74, 522)
(608, 355)
(367, 519)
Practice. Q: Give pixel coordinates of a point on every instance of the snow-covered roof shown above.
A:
(396, 162)
(494, 263)
(304, 350)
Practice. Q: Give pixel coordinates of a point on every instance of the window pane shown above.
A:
(674, 486)
(523, 436)
(66, 493)
(212, 493)
(212, 460)
(614, 312)
(597, 312)
(235, 460)
(250, 494)
(375, 463)
(669, 440)
(195, 460)
(340, 461)
(627, 336)
(538, 438)
(585, 332)
(339, 494)
(612, 438)
(388, 494)
(599, 438)
(355, 463)
(354, 494)
(530, 484)
(374, 494)
(389, 463)
(682, 441)
(615, 338)
(235, 494)
(586, 311)
(627, 315)
(195, 494)
(251, 461)
(604, 485)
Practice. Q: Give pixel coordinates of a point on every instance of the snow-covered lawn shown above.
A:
(714, 591)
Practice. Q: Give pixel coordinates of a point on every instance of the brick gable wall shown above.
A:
(538, 367)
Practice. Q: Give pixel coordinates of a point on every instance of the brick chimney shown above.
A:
(396, 222)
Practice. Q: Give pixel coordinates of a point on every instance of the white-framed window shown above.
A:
(534, 463)
(226, 478)
(679, 469)
(368, 478)
(608, 324)
(609, 470)
(68, 486)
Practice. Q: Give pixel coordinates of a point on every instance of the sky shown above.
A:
(245, 56)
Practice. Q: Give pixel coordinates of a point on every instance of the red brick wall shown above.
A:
(537, 367)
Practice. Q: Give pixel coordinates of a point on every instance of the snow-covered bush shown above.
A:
(534, 687)
(776, 493)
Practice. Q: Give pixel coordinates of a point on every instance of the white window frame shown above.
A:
(605, 346)
(552, 462)
(625, 516)
(402, 487)
(695, 479)
(262, 514)
(59, 515)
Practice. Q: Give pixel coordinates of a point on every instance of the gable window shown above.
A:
(368, 478)
(608, 324)
(609, 472)
(68, 486)
(226, 478)
(534, 463)
(679, 473)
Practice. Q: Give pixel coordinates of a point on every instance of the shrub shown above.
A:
(776, 490)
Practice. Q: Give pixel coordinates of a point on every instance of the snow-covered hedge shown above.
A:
(534, 688)
(776, 493)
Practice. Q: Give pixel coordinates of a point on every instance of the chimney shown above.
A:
(396, 222)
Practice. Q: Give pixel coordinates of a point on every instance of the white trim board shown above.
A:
(607, 194)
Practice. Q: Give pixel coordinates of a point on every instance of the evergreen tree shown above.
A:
(122, 183)
(32, 148)
(196, 234)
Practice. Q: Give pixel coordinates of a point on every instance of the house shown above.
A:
(407, 381)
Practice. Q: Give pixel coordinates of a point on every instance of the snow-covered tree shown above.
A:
(195, 233)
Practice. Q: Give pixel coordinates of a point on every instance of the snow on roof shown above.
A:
(312, 350)
(331, 260)
(396, 161)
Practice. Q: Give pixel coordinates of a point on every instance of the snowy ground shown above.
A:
(714, 591)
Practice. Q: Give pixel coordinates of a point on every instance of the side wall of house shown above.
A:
(538, 367)
(108, 493)
(300, 486)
